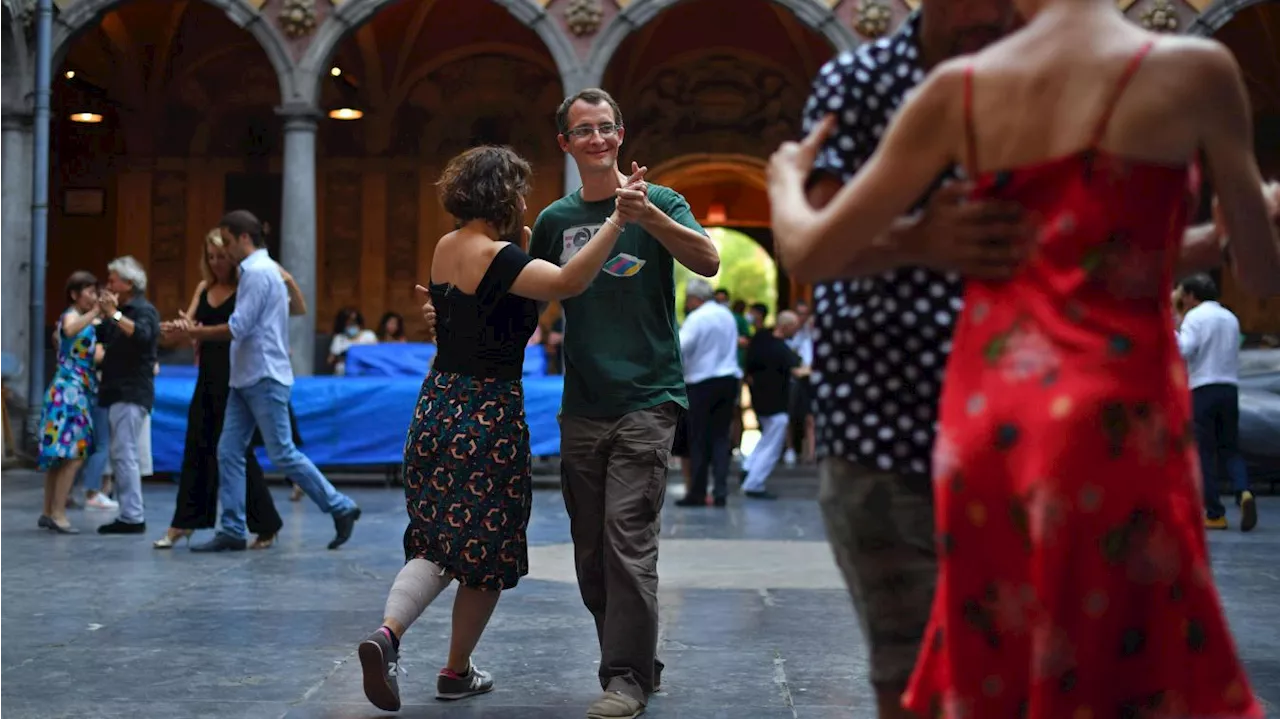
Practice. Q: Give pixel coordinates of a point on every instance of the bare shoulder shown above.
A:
(1202, 63)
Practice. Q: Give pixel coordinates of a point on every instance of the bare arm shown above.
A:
(883, 253)
(543, 281)
(919, 145)
(688, 246)
(214, 333)
(297, 303)
(74, 322)
(1227, 139)
(1201, 250)
(195, 300)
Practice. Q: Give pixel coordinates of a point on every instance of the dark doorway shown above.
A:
(259, 193)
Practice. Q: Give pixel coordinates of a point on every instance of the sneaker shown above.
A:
(1219, 523)
(1248, 511)
(451, 686)
(615, 705)
(381, 664)
(101, 501)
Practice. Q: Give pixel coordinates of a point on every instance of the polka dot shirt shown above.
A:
(882, 341)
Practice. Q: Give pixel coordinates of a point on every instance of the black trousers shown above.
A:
(711, 409)
(1216, 409)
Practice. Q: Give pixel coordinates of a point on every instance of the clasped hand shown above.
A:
(179, 329)
(633, 197)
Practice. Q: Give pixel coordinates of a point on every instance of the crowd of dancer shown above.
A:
(1009, 472)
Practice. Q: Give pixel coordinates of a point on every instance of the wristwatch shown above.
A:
(117, 316)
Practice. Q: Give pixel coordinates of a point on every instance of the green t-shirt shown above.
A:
(621, 341)
(744, 330)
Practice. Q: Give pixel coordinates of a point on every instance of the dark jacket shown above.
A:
(128, 369)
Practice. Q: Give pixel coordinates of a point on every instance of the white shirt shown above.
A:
(1209, 341)
(709, 343)
(260, 324)
(341, 343)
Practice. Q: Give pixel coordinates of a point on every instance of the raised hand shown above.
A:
(429, 309)
(633, 197)
(793, 161)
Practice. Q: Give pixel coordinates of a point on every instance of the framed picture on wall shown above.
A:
(84, 201)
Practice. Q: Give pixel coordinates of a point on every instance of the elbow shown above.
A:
(708, 267)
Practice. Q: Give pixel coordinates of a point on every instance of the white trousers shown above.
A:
(760, 464)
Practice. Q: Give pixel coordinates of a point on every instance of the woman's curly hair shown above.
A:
(486, 183)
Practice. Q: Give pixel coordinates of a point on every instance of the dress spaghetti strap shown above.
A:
(1129, 71)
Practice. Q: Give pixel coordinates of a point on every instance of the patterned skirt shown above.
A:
(467, 480)
(66, 421)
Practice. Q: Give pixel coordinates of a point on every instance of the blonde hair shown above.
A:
(214, 238)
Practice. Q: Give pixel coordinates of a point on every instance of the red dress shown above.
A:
(1074, 580)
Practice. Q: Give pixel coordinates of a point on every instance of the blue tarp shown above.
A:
(411, 359)
(344, 421)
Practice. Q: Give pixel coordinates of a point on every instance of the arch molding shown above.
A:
(816, 16)
(351, 14)
(84, 14)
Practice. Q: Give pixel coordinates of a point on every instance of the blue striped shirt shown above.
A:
(260, 324)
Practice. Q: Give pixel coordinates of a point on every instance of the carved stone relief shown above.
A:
(874, 18)
(297, 17)
(583, 16)
(1160, 16)
(716, 103)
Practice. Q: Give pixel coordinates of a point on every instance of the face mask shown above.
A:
(353, 331)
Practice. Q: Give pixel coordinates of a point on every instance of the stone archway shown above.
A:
(1218, 15)
(84, 14)
(637, 13)
(353, 13)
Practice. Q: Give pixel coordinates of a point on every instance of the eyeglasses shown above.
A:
(605, 130)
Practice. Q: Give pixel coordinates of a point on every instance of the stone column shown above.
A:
(15, 234)
(572, 178)
(298, 227)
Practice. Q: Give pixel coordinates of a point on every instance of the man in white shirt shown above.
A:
(709, 346)
(1209, 340)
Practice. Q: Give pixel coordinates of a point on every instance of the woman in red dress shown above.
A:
(1074, 581)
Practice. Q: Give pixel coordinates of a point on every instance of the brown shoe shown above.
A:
(615, 705)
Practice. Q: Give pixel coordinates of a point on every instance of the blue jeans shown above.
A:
(266, 406)
(90, 474)
(1216, 412)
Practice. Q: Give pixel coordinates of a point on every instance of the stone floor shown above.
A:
(755, 619)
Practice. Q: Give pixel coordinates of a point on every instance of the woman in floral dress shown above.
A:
(66, 424)
(1074, 580)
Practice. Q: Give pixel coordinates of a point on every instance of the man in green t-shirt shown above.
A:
(623, 389)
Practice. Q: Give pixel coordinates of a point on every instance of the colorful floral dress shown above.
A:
(1074, 579)
(66, 422)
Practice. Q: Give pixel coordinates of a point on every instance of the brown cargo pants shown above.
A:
(614, 478)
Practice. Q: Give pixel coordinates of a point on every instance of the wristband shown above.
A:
(615, 224)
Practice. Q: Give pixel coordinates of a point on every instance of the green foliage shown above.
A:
(746, 270)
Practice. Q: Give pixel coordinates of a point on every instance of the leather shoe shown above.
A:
(119, 527)
(221, 543)
(342, 525)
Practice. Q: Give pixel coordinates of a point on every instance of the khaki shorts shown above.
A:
(880, 526)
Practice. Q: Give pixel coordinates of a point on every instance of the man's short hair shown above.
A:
(131, 271)
(762, 308)
(786, 319)
(591, 96)
(1200, 286)
(243, 222)
(699, 288)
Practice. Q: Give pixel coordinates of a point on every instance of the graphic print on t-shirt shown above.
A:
(575, 238)
(623, 265)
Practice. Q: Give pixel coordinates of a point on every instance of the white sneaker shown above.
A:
(101, 501)
(789, 458)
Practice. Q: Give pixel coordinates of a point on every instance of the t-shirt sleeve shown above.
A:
(675, 206)
(502, 273)
(836, 90)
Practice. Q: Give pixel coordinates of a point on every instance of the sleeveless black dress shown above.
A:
(197, 505)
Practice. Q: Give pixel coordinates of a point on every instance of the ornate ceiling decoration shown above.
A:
(298, 17)
(583, 16)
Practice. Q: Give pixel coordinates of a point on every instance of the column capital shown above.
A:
(16, 120)
(299, 117)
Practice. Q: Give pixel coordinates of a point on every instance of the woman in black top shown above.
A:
(467, 463)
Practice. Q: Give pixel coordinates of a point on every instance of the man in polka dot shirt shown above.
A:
(884, 328)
